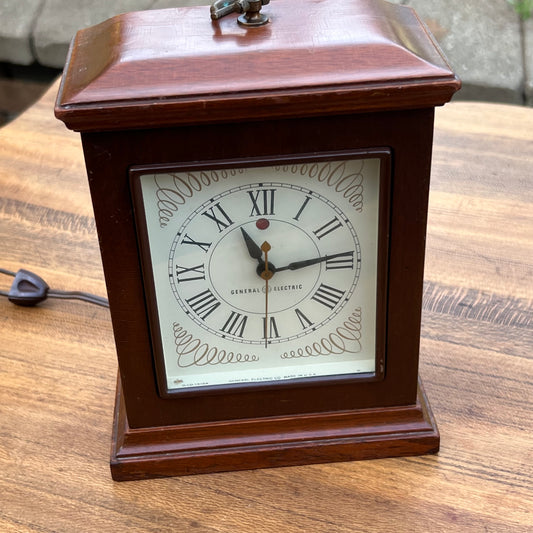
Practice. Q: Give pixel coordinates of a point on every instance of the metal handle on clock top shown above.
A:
(251, 9)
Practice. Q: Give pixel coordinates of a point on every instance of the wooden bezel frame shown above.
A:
(383, 155)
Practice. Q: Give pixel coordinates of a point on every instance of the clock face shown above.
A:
(261, 273)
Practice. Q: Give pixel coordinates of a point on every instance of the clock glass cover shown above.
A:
(265, 272)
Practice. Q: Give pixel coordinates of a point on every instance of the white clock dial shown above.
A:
(264, 273)
(218, 283)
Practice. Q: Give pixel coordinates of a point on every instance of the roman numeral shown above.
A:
(273, 328)
(262, 202)
(306, 201)
(203, 304)
(327, 228)
(222, 221)
(190, 274)
(203, 245)
(304, 321)
(235, 324)
(339, 261)
(328, 296)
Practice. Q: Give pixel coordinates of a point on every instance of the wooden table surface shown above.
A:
(58, 365)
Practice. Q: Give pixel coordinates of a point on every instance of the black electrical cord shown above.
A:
(29, 289)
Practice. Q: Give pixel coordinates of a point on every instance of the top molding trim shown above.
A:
(316, 57)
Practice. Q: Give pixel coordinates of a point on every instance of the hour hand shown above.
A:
(254, 250)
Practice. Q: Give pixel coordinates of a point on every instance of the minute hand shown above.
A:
(308, 262)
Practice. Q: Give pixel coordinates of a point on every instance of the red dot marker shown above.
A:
(262, 223)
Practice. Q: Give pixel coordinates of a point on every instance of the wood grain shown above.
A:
(58, 369)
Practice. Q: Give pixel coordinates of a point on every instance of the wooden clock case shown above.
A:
(323, 77)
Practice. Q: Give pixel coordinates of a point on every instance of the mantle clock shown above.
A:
(260, 187)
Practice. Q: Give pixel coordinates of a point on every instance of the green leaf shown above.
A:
(524, 8)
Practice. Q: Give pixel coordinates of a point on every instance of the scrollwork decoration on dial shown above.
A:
(193, 352)
(335, 175)
(184, 186)
(336, 342)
